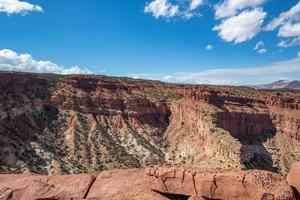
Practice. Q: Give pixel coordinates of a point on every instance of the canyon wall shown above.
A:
(72, 124)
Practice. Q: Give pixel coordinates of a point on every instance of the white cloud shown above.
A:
(245, 75)
(289, 42)
(230, 7)
(209, 47)
(185, 9)
(262, 51)
(17, 7)
(137, 76)
(194, 4)
(260, 47)
(289, 30)
(289, 26)
(167, 77)
(290, 15)
(236, 76)
(12, 61)
(190, 11)
(162, 8)
(242, 27)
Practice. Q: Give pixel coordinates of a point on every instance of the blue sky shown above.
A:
(192, 41)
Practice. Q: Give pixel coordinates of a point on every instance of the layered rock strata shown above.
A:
(53, 124)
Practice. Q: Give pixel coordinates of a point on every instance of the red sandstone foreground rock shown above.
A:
(132, 184)
(159, 183)
(293, 178)
(220, 184)
(30, 186)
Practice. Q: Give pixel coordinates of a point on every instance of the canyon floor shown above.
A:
(59, 125)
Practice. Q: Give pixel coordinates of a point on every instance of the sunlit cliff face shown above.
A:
(72, 124)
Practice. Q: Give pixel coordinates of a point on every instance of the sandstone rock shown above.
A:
(158, 183)
(219, 184)
(196, 198)
(77, 124)
(130, 184)
(29, 187)
(293, 178)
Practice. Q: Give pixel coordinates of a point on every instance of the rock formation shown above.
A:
(219, 184)
(158, 183)
(31, 186)
(283, 85)
(52, 124)
(293, 179)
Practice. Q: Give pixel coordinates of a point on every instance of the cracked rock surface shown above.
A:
(157, 183)
(219, 184)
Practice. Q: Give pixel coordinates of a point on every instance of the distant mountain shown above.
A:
(280, 85)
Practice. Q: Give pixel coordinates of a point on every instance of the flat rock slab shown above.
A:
(131, 184)
(219, 184)
(158, 183)
(30, 186)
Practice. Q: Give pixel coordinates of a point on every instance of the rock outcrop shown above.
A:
(32, 186)
(219, 184)
(293, 179)
(123, 185)
(52, 124)
(158, 183)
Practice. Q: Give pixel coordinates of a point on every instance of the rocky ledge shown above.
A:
(293, 179)
(157, 183)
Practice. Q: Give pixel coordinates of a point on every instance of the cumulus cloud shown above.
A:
(262, 51)
(162, 8)
(17, 7)
(288, 16)
(260, 47)
(185, 9)
(292, 33)
(289, 42)
(237, 76)
(242, 27)
(230, 7)
(12, 61)
(289, 30)
(194, 4)
(209, 47)
(289, 26)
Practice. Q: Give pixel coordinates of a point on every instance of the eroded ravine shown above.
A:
(75, 124)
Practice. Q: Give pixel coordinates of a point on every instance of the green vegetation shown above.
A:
(239, 91)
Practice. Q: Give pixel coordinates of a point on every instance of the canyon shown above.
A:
(63, 125)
